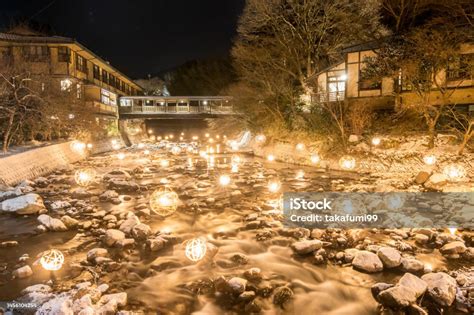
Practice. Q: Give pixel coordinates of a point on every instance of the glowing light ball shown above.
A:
(182, 133)
(116, 146)
(211, 150)
(429, 159)
(452, 230)
(347, 162)
(164, 201)
(84, 177)
(376, 141)
(52, 260)
(271, 157)
(164, 163)
(78, 146)
(234, 145)
(235, 168)
(159, 138)
(235, 159)
(171, 136)
(152, 138)
(224, 180)
(261, 138)
(181, 138)
(166, 137)
(121, 156)
(195, 137)
(454, 172)
(134, 131)
(218, 137)
(300, 147)
(315, 158)
(299, 174)
(150, 131)
(203, 154)
(113, 141)
(141, 145)
(274, 186)
(176, 150)
(211, 140)
(206, 135)
(89, 146)
(146, 152)
(196, 249)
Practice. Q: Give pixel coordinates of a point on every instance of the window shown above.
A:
(105, 76)
(366, 82)
(460, 68)
(125, 102)
(96, 72)
(36, 53)
(107, 97)
(64, 54)
(336, 87)
(81, 63)
(111, 80)
(66, 85)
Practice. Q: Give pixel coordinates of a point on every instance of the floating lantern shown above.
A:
(376, 141)
(224, 180)
(454, 172)
(261, 138)
(429, 159)
(164, 163)
(315, 158)
(452, 230)
(176, 150)
(84, 177)
(182, 133)
(211, 140)
(166, 137)
(218, 137)
(274, 185)
(299, 174)
(164, 201)
(159, 138)
(171, 136)
(52, 260)
(196, 249)
(300, 147)
(121, 156)
(347, 162)
(271, 157)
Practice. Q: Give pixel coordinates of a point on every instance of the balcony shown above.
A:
(327, 97)
(103, 109)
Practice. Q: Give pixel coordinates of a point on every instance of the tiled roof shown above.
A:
(35, 38)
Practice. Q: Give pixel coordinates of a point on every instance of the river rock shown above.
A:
(413, 282)
(306, 246)
(412, 265)
(422, 177)
(379, 287)
(141, 231)
(441, 287)
(52, 224)
(113, 236)
(37, 294)
(367, 261)
(436, 181)
(113, 300)
(155, 244)
(456, 247)
(27, 204)
(69, 222)
(281, 295)
(237, 285)
(22, 272)
(95, 253)
(397, 297)
(390, 257)
(129, 223)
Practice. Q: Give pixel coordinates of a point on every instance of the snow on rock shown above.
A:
(27, 204)
(23, 272)
(52, 224)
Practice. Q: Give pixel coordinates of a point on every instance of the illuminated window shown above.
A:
(78, 91)
(107, 97)
(125, 102)
(81, 63)
(66, 85)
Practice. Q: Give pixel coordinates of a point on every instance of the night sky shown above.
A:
(139, 37)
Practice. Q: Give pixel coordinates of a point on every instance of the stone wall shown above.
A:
(41, 161)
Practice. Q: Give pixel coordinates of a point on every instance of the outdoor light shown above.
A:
(71, 116)
(210, 140)
(181, 138)
(159, 138)
(300, 147)
(150, 131)
(146, 152)
(261, 138)
(52, 260)
(218, 137)
(171, 136)
(315, 158)
(274, 185)
(271, 157)
(196, 249)
(224, 180)
(190, 163)
(454, 172)
(78, 146)
(162, 103)
(218, 150)
(116, 146)
(195, 137)
(141, 145)
(164, 163)
(121, 156)
(235, 159)
(89, 146)
(347, 162)
(204, 102)
(166, 137)
(234, 145)
(176, 150)
(85, 176)
(206, 135)
(203, 154)
(429, 159)
(299, 174)
(343, 77)
(376, 141)
(452, 230)
(164, 201)
(182, 133)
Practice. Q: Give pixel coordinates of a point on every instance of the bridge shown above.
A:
(175, 106)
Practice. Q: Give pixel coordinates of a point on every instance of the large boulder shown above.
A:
(456, 247)
(411, 281)
(27, 204)
(397, 297)
(441, 287)
(22, 272)
(113, 236)
(390, 257)
(367, 261)
(52, 224)
(436, 181)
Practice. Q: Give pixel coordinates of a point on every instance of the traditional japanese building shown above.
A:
(72, 66)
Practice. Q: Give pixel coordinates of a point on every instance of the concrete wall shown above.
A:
(41, 161)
